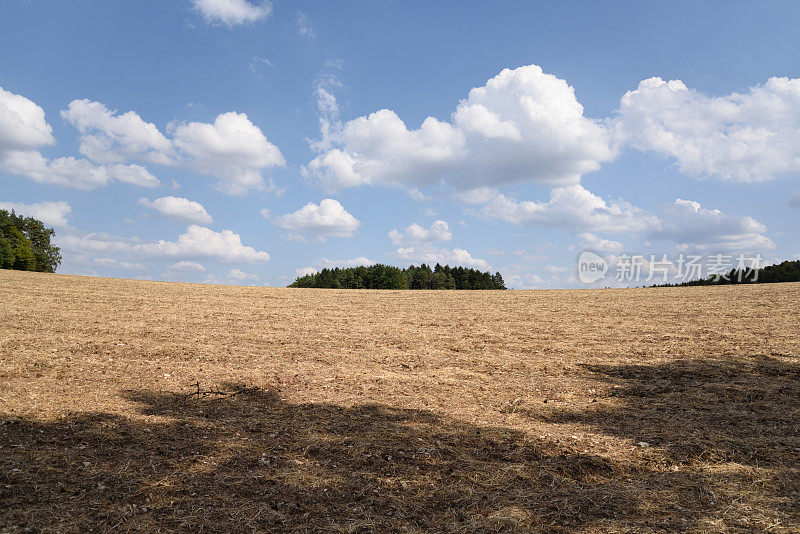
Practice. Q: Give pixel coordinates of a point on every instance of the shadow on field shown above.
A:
(256, 462)
(742, 410)
(734, 422)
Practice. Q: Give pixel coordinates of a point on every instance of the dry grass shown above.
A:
(397, 411)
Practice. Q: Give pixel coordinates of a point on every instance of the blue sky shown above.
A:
(240, 142)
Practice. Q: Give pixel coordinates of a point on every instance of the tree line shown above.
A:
(381, 276)
(787, 271)
(25, 244)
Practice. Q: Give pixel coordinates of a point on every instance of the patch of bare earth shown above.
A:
(593, 411)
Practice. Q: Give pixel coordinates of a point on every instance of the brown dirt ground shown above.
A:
(397, 411)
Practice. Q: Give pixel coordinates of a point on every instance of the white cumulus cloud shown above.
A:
(304, 271)
(519, 278)
(326, 219)
(187, 266)
(23, 129)
(685, 223)
(479, 195)
(202, 242)
(432, 255)
(746, 137)
(133, 174)
(232, 12)
(94, 242)
(50, 213)
(360, 261)
(240, 275)
(179, 208)
(572, 207)
(417, 195)
(324, 263)
(197, 242)
(595, 243)
(69, 172)
(72, 172)
(439, 231)
(232, 149)
(108, 137)
(117, 264)
(695, 228)
(523, 125)
(22, 123)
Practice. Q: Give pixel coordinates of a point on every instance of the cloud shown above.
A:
(178, 208)
(527, 126)
(515, 278)
(68, 172)
(264, 213)
(187, 266)
(107, 137)
(417, 195)
(258, 65)
(589, 241)
(337, 63)
(439, 231)
(22, 123)
(326, 103)
(232, 149)
(133, 174)
(197, 242)
(232, 12)
(325, 263)
(572, 207)
(328, 109)
(304, 27)
(202, 242)
(684, 222)
(522, 126)
(94, 242)
(744, 137)
(698, 229)
(432, 255)
(23, 129)
(480, 195)
(360, 261)
(304, 271)
(626, 270)
(241, 276)
(328, 219)
(794, 199)
(522, 253)
(50, 213)
(117, 264)
(71, 172)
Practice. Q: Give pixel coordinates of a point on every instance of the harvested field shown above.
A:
(588, 410)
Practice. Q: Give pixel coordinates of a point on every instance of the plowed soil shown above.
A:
(146, 406)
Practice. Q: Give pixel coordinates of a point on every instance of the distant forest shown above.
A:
(380, 276)
(787, 271)
(25, 244)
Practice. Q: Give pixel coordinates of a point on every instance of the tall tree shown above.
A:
(25, 244)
